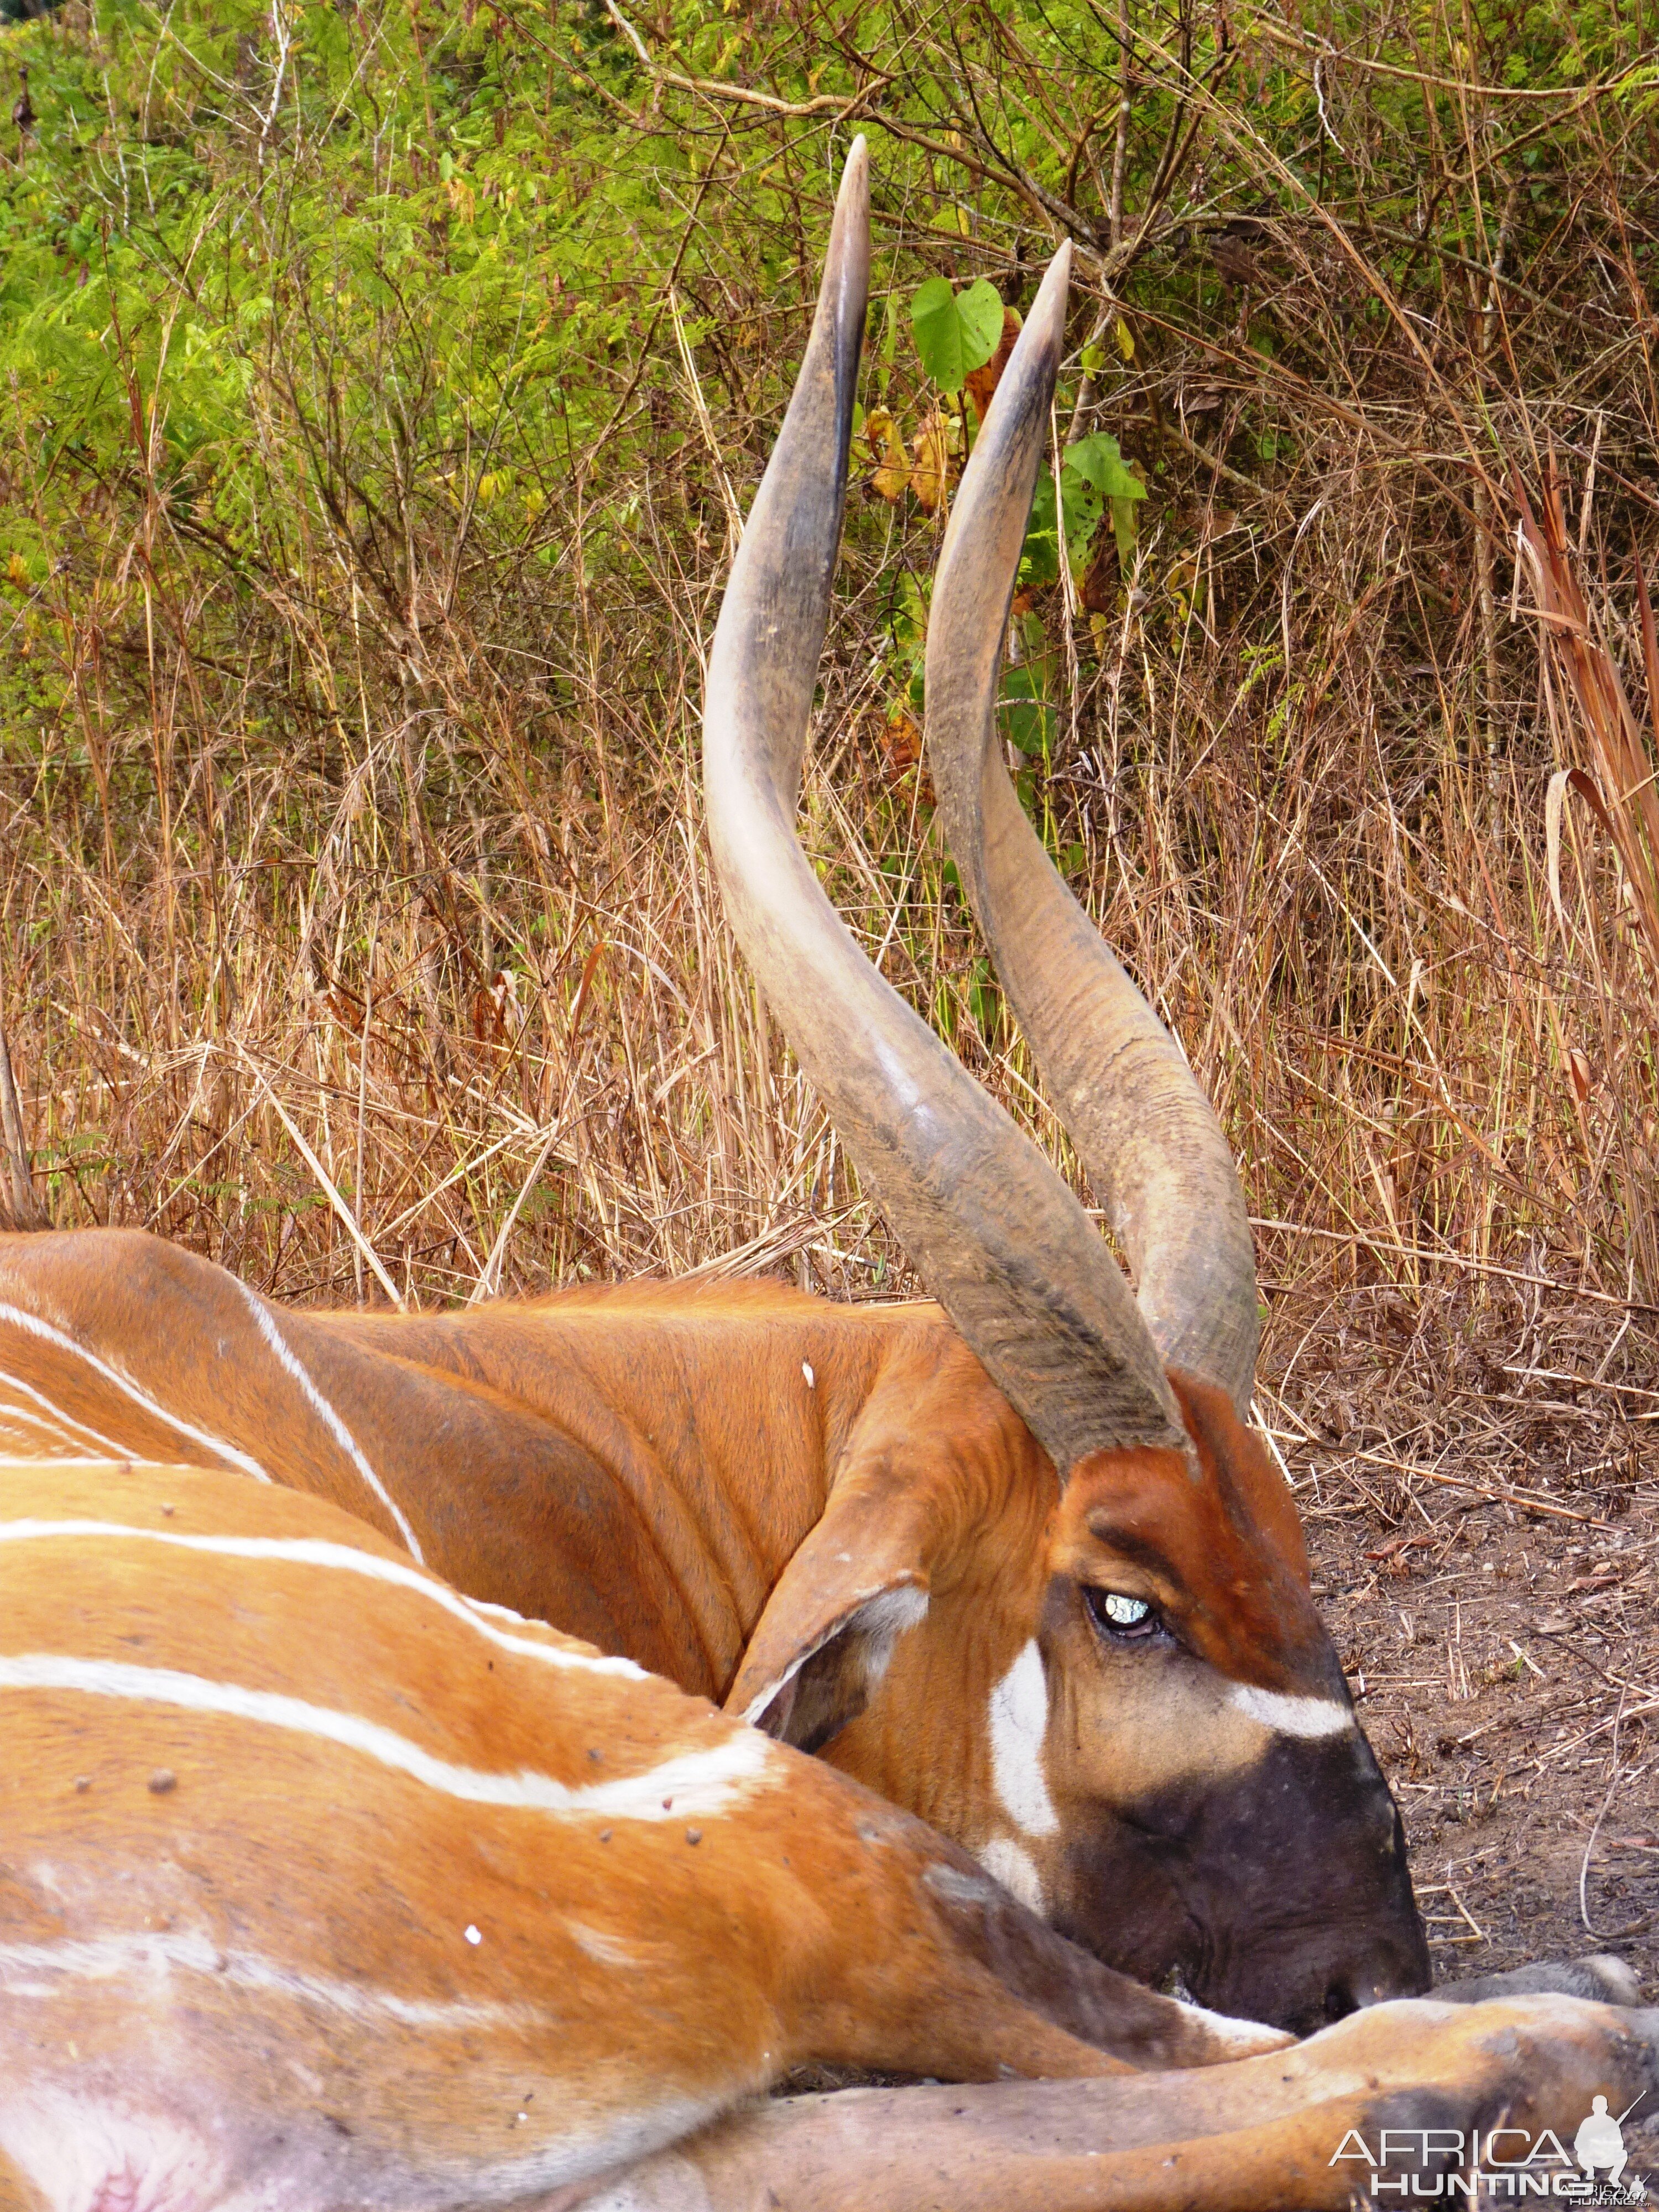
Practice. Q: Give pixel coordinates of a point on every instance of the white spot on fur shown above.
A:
(1013, 1865)
(313, 1552)
(811, 1379)
(291, 1366)
(1303, 1717)
(608, 1950)
(33, 1326)
(693, 1782)
(1019, 1718)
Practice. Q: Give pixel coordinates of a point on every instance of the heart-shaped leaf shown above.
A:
(957, 332)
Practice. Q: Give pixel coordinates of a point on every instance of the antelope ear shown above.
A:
(859, 1581)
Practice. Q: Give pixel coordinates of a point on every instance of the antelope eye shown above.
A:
(1118, 1615)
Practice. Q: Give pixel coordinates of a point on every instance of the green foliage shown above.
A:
(331, 331)
(1095, 480)
(956, 332)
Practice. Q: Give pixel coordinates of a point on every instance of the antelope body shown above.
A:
(319, 1877)
(878, 1561)
(327, 1888)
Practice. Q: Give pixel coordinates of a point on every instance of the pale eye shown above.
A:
(1123, 1618)
(1123, 1612)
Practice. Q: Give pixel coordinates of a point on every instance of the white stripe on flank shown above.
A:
(27, 1422)
(1306, 1716)
(691, 1783)
(290, 1364)
(16, 1382)
(56, 1460)
(315, 1552)
(25, 1969)
(36, 1326)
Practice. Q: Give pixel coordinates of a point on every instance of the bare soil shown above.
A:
(1480, 1485)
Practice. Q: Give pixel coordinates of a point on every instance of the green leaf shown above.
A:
(1097, 462)
(889, 340)
(980, 308)
(956, 332)
(1029, 722)
(1039, 559)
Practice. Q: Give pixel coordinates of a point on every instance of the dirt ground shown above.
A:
(1479, 1479)
(1480, 1491)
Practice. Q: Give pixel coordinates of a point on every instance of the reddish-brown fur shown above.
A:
(1224, 1557)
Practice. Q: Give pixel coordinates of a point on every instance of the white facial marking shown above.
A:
(1304, 1717)
(1018, 1719)
(313, 1552)
(693, 1782)
(1008, 1863)
(33, 1326)
(286, 1360)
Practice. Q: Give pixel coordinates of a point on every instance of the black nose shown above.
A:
(1313, 1917)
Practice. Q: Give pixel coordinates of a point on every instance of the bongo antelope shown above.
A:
(1014, 1560)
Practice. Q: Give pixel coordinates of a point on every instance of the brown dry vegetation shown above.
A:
(357, 928)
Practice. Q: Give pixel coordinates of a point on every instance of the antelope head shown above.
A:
(1173, 1771)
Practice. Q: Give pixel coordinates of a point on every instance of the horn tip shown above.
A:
(856, 175)
(1048, 315)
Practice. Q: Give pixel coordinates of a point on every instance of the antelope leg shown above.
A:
(1259, 2133)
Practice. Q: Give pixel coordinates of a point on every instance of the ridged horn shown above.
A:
(990, 1226)
(1148, 1136)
